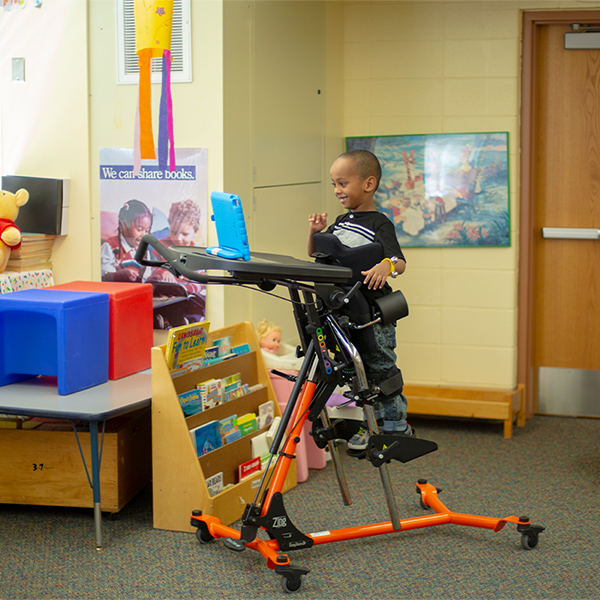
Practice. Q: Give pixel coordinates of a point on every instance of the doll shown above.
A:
(269, 336)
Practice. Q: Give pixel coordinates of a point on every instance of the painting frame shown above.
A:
(446, 190)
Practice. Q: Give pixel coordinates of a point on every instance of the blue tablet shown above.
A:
(231, 227)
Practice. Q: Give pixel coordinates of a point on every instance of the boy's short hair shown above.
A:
(367, 164)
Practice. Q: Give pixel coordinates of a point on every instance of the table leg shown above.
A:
(96, 482)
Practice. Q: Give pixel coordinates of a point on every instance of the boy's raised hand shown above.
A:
(376, 277)
(317, 222)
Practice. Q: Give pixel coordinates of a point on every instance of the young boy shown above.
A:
(355, 176)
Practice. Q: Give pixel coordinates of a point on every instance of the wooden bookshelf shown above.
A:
(179, 475)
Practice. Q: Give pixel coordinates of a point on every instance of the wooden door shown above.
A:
(566, 184)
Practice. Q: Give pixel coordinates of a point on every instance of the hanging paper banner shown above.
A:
(153, 26)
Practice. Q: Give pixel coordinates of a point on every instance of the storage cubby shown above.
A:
(179, 475)
(43, 466)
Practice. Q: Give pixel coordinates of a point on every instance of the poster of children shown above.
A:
(170, 205)
(445, 189)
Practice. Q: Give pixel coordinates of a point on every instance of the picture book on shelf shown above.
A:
(256, 387)
(241, 349)
(227, 426)
(247, 423)
(236, 434)
(211, 393)
(260, 446)
(207, 437)
(211, 355)
(239, 392)
(266, 414)
(272, 431)
(224, 345)
(230, 384)
(185, 347)
(215, 484)
(248, 467)
(191, 402)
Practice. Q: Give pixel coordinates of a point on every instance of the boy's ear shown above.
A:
(370, 184)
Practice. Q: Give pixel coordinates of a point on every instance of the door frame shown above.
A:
(532, 22)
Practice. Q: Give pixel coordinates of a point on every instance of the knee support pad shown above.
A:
(390, 383)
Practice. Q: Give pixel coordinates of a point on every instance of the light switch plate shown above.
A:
(18, 69)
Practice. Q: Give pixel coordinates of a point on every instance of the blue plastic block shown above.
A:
(54, 332)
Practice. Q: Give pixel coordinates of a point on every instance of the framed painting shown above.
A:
(443, 190)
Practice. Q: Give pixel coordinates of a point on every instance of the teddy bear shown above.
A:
(10, 235)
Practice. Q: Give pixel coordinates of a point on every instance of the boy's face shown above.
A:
(133, 232)
(182, 234)
(353, 192)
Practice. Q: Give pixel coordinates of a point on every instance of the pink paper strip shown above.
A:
(137, 151)
(172, 166)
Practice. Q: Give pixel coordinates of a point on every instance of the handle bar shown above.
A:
(333, 296)
(173, 261)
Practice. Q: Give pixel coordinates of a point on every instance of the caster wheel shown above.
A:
(423, 505)
(529, 541)
(290, 586)
(203, 536)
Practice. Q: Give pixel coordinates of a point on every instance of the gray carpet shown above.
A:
(549, 470)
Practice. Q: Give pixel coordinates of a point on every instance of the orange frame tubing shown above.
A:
(429, 495)
(283, 465)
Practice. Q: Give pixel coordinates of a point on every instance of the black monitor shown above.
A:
(47, 208)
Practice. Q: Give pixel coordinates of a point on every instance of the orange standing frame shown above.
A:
(330, 359)
(272, 513)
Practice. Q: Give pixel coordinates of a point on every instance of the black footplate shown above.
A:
(384, 448)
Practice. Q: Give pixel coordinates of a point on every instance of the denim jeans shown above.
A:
(380, 360)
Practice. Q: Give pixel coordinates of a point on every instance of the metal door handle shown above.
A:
(570, 233)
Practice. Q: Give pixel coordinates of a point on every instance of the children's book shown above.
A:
(211, 355)
(236, 434)
(248, 467)
(215, 484)
(224, 345)
(207, 437)
(260, 446)
(191, 402)
(266, 414)
(227, 426)
(247, 423)
(256, 387)
(185, 346)
(239, 392)
(272, 431)
(231, 383)
(212, 352)
(241, 349)
(211, 393)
